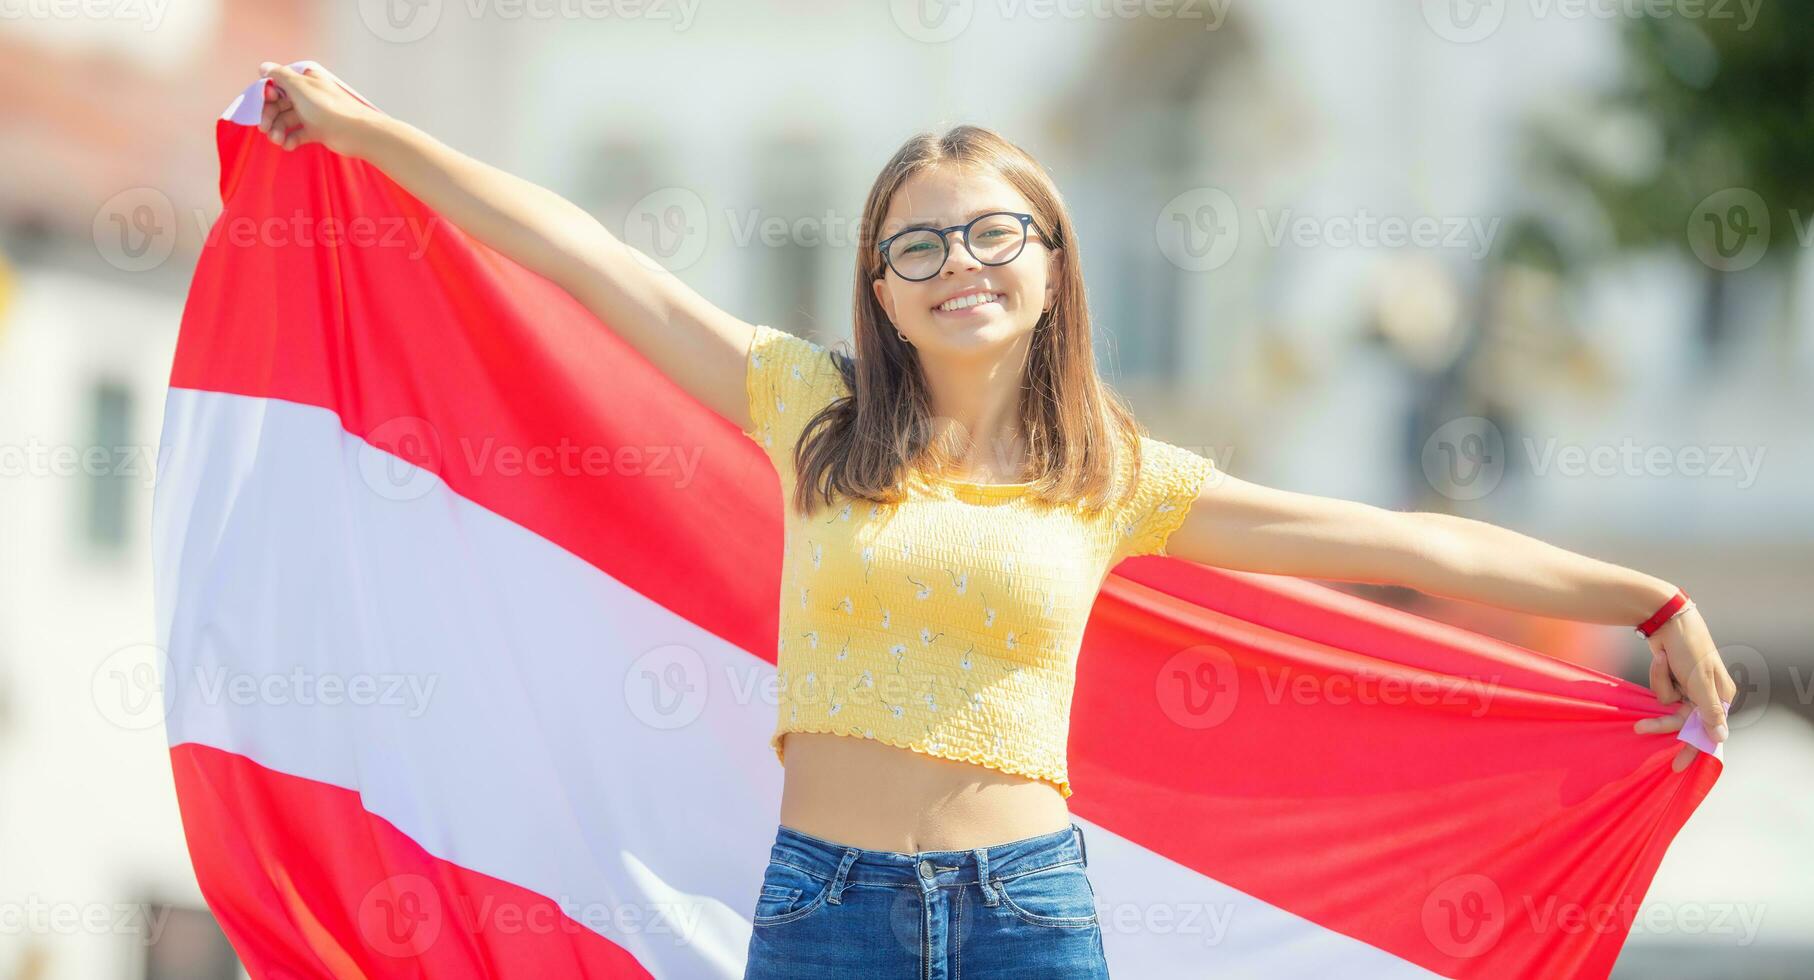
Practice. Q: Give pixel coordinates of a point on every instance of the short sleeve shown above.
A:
(787, 380)
(1170, 479)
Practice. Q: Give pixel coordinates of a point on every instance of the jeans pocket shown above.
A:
(788, 894)
(1059, 896)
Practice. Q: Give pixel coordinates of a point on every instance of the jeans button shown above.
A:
(926, 870)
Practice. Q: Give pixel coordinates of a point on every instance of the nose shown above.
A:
(957, 256)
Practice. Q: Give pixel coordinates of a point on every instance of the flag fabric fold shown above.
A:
(467, 614)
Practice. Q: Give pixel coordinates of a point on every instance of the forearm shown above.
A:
(531, 225)
(1482, 562)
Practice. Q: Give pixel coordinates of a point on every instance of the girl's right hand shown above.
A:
(314, 106)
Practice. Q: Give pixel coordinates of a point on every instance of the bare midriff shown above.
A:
(879, 797)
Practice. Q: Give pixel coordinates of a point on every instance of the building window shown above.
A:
(110, 423)
(792, 239)
(189, 946)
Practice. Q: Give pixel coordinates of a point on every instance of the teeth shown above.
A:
(964, 302)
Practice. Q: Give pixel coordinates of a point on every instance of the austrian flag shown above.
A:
(533, 587)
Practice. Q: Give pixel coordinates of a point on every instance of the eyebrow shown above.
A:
(930, 223)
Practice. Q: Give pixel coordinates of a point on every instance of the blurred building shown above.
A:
(1237, 173)
(108, 186)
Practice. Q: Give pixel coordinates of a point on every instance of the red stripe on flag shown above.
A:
(306, 883)
(1256, 757)
(507, 388)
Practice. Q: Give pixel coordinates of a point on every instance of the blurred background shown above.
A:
(1545, 263)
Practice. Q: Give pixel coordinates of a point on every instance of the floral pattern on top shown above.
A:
(950, 623)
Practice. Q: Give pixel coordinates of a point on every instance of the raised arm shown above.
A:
(701, 347)
(1246, 526)
(1233, 523)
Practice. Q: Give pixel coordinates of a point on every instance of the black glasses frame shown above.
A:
(1027, 231)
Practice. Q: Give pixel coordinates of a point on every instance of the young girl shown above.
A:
(957, 488)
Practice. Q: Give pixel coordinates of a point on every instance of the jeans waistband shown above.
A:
(848, 864)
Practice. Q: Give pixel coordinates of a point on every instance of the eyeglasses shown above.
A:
(918, 253)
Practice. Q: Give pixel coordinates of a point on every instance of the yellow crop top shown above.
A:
(949, 623)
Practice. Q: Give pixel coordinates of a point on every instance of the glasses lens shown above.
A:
(916, 254)
(997, 238)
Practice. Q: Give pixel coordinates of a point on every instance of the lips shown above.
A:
(970, 299)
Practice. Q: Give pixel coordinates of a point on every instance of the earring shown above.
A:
(901, 335)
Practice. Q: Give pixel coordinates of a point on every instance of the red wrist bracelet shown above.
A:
(1664, 613)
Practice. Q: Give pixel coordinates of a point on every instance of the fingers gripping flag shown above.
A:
(468, 614)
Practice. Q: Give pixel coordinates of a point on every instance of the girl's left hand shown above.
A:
(1685, 664)
(315, 106)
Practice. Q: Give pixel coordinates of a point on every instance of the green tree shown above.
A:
(1729, 103)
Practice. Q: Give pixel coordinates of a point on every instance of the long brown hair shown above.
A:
(865, 445)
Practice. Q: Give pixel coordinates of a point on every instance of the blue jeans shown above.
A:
(1020, 909)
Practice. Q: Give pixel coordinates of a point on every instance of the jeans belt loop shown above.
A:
(837, 881)
(1083, 850)
(982, 875)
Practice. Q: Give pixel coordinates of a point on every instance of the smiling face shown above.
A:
(1015, 293)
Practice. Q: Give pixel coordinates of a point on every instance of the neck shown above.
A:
(975, 407)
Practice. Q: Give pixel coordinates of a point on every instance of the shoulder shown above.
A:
(769, 345)
(1161, 460)
(784, 358)
(788, 380)
(1170, 478)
